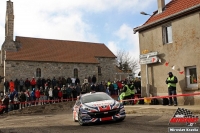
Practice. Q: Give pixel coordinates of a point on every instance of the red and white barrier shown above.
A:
(157, 97)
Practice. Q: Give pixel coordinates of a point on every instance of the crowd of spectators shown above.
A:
(20, 94)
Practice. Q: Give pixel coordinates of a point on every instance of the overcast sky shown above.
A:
(102, 21)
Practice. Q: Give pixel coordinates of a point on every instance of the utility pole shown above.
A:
(147, 81)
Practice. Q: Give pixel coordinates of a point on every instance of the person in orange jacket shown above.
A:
(12, 86)
(33, 83)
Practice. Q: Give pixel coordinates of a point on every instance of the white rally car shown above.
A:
(97, 107)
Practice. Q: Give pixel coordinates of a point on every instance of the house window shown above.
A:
(75, 73)
(99, 70)
(167, 34)
(191, 74)
(38, 72)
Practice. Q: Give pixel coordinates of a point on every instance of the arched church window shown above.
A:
(38, 72)
(75, 73)
(99, 70)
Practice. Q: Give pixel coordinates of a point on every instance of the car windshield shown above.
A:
(95, 97)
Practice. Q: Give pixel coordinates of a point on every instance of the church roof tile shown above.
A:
(49, 50)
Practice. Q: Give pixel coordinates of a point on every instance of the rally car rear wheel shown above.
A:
(80, 121)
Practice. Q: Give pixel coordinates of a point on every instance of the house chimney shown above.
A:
(161, 5)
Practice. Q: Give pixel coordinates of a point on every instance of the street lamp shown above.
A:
(144, 13)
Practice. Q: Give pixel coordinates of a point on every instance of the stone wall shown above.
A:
(108, 70)
(23, 69)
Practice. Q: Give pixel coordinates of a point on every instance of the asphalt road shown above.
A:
(137, 121)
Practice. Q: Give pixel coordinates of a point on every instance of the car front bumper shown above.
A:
(95, 117)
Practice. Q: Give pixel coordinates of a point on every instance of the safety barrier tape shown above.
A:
(157, 97)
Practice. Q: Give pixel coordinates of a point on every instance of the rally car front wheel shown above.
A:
(80, 121)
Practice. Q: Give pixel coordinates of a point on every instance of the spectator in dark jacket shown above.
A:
(111, 89)
(48, 82)
(77, 81)
(94, 87)
(39, 82)
(27, 84)
(54, 82)
(43, 82)
(74, 93)
(60, 84)
(94, 79)
(21, 85)
(69, 81)
(78, 89)
(69, 92)
(16, 84)
(12, 94)
(22, 99)
(101, 87)
(89, 80)
(6, 84)
(137, 85)
(64, 81)
(55, 94)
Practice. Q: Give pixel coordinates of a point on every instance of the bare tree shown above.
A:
(125, 62)
(122, 60)
(135, 65)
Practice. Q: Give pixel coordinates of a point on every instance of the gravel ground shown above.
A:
(57, 118)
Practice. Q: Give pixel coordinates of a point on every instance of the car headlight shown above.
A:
(117, 105)
(86, 108)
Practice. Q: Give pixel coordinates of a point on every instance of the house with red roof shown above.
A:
(27, 57)
(173, 32)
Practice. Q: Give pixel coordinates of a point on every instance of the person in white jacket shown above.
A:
(50, 95)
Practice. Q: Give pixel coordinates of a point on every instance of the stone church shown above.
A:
(27, 57)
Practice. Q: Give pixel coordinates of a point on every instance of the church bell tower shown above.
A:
(9, 44)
